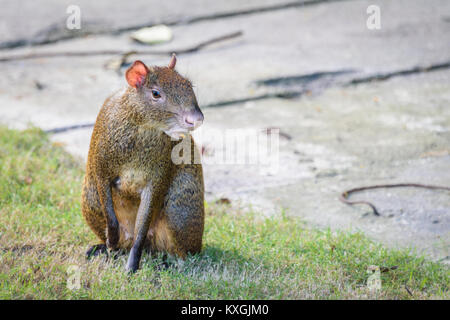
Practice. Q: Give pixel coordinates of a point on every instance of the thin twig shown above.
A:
(409, 291)
(344, 195)
(195, 48)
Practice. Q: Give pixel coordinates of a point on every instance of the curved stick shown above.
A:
(344, 195)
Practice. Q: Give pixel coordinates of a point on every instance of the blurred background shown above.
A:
(360, 91)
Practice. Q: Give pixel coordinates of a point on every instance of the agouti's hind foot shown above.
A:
(163, 266)
(96, 250)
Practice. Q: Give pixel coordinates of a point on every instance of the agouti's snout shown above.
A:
(193, 120)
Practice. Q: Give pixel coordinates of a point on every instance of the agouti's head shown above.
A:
(166, 100)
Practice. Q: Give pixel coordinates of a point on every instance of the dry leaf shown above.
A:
(223, 201)
(153, 35)
(58, 144)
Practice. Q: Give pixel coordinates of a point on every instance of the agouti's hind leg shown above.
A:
(181, 226)
(92, 213)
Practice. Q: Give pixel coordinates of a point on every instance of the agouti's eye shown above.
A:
(156, 94)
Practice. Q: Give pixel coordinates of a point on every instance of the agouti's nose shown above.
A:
(193, 119)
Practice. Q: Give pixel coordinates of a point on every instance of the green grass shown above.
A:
(245, 256)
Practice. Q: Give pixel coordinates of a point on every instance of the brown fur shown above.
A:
(128, 151)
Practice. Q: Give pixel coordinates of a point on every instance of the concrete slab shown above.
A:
(328, 37)
(47, 18)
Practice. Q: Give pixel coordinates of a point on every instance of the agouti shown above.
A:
(134, 196)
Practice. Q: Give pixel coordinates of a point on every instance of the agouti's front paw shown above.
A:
(133, 260)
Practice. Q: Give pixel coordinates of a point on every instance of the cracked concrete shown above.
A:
(334, 137)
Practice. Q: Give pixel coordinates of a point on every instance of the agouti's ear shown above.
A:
(136, 74)
(173, 61)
